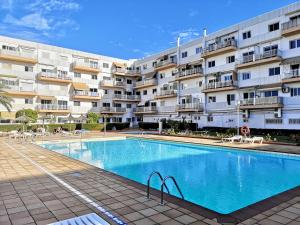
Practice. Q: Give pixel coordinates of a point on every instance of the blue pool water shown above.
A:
(220, 179)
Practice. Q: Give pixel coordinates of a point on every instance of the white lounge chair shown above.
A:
(236, 138)
(253, 140)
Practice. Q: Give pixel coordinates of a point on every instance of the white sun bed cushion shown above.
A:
(88, 219)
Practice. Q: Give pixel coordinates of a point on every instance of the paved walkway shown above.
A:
(38, 186)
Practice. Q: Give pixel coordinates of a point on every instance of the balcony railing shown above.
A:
(18, 54)
(189, 72)
(112, 83)
(19, 89)
(119, 70)
(216, 85)
(132, 72)
(189, 106)
(52, 107)
(221, 45)
(167, 62)
(292, 74)
(127, 97)
(274, 100)
(265, 55)
(112, 110)
(86, 93)
(149, 82)
(89, 65)
(166, 93)
(54, 75)
(147, 109)
(290, 24)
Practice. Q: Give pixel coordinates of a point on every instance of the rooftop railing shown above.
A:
(290, 24)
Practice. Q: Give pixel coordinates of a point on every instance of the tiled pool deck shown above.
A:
(35, 189)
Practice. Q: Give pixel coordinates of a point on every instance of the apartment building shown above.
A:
(246, 74)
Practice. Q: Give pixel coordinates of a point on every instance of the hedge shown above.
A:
(93, 126)
(148, 125)
(117, 126)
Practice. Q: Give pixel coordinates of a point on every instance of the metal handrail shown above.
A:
(164, 185)
(148, 182)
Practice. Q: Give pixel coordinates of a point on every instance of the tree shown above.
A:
(92, 117)
(4, 99)
(28, 112)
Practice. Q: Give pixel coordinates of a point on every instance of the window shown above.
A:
(129, 81)
(274, 71)
(28, 68)
(211, 99)
(294, 121)
(144, 66)
(230, 59)
(295, 44)
(230, 98)
(154, 91)
(162, 76)
(77, 75)
(106, 104)
(271, 93)
(211, 64)
(273, 27)
(94, 104)
(198, 50)
(228, 78)
(274, 121)
(128, 106)
(94, 77)
(248, 95)
(105, 65)
(184, 54)
(145, 92)
(210, 118)
(76, 103)
(247, 35)
(246, 76)
(295, 92)
(10, 48)
(28, 101)
(105, 92)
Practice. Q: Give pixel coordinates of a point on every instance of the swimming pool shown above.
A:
(220, 179)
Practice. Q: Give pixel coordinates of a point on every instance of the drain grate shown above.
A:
(88, 219)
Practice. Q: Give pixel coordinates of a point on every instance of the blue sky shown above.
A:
(123, 28)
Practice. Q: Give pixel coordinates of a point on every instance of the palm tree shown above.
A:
(4, 99)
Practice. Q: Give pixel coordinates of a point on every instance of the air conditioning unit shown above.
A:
(285, 90)
(278, 113)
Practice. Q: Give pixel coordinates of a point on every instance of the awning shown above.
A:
(46, 97)
(117, 64)
(80, 86)
(150, 75)
(293, 60)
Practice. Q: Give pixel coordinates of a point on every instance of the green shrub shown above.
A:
(28, 112)
(92, 117)
(93, 126)
(66, 126)
(118, 126)
(10, 127)
(148, 125)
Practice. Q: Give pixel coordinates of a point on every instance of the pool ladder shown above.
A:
(162, 186)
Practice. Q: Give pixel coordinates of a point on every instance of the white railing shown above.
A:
(290, 24)
(86, 93)
(262, 101)
(17, 53)
(259, 81)
(19, 89)
(127, 97)
(55, 75)
(52, 107)
(112, 83)
(220, 106)
(119, 70)
(265, 55)
(189, 72)
(167, 109)
(165, 62)
(216, 85)
(292, 74)
(190, 106)
(112, 110)
(145, 109)
(133, 72)
(86, 64)
(146, 82)
(223, 44)
(167, 92)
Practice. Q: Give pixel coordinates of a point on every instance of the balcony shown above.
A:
(54, 77)
(189, 107)
(220, 48)
(112, 110)
(220, 86)
(262, 103)
(112, 84)
(291, 27)
(166, 94)
(88, 67)
(145, 110)
(270, 56)
(86, 95)
(53, 108)
(132, 73)
(221, 106)
(146, 83)
(127, 98)
(20, 91)
(18, 56)
(165, 64)
(291, 76)
(189, 74)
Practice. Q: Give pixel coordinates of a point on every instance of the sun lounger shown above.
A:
(236, 138)
(252, 140)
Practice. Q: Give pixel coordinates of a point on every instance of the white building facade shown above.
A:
(246, 74)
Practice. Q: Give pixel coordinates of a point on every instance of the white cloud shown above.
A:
(185, 35)
(50, 5)
(193, 13)
(6, 4)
